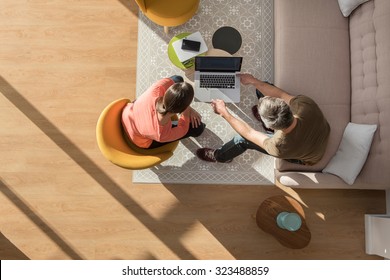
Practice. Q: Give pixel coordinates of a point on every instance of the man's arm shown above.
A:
(239, 126)
(265, 88)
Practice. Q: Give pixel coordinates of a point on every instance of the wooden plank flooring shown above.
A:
(61, 62)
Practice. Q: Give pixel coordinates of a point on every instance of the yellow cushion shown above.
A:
(115, 148)
(170, 12)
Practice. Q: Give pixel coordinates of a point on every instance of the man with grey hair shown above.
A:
(301, 131)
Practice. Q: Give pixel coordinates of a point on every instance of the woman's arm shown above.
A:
(195, 117)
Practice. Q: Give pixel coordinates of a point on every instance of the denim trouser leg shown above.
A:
(236, 147)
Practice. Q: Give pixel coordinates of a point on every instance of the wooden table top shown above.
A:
(266, 220)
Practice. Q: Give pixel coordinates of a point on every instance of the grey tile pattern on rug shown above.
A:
(254, 20)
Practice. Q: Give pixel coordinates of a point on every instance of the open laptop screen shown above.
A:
(218, 64)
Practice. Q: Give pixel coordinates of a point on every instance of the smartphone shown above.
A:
(190, 45)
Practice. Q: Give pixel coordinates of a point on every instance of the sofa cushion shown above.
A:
(352, 153)
(312, 58)
(370, 80)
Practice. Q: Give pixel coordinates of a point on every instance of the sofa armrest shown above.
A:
(309, 180)
(318, 180)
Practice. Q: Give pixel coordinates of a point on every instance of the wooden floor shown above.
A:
(61, 62)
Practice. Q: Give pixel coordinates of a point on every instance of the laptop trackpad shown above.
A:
(217, 94)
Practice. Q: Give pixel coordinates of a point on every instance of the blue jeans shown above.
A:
(236, 147)
(239, 145)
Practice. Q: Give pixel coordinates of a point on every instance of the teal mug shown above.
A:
(289, 221)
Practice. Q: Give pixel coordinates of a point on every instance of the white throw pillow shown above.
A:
(352, 153)
(347, 6)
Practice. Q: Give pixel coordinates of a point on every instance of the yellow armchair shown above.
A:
(116, 149)
(168, 13)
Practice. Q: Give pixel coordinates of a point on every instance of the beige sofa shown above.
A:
(343, 63)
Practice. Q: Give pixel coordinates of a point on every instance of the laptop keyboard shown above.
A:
(217, 81)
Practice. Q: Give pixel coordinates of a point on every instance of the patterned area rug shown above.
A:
(254, 20)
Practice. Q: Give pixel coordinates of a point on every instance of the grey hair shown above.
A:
(275, 113)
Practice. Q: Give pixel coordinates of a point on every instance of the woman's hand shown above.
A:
(195, 118)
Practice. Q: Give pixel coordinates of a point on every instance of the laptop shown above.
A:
(216, 78)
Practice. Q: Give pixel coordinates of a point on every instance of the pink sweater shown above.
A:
(141, 122)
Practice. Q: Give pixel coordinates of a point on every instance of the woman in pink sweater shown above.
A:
(147, 121)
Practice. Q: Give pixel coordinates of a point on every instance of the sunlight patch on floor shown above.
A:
(320, 215)
(194, 241)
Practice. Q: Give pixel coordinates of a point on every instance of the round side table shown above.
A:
(266, 220)
(172, 54)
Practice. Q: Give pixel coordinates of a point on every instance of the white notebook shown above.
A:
(184, 55)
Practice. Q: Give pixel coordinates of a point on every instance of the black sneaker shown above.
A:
(206, 154)
(259, 94)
